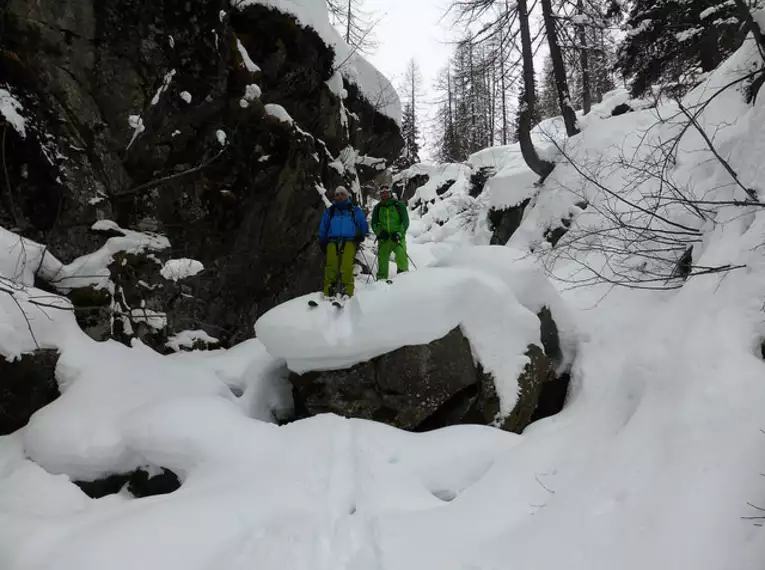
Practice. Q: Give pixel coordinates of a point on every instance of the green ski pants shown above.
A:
(340, 256)
(386, 247)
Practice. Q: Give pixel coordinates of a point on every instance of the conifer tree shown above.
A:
(672, 40)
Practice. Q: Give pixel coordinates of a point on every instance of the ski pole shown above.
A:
(369, 267)
(411, 261)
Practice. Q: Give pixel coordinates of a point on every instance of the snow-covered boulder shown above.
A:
(413, 387)
(425, 387)
(397, 353)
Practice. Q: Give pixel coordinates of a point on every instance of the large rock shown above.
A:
(426, 387)
(26, 385)
(535, 375)
(81, 68)
(404, 388)
(505, 222)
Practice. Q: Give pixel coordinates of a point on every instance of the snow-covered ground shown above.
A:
(655, 461)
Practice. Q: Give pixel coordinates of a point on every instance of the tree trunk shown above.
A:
(503, 89)
(541, 167)
(559, 70)
(584, 61)
(751, 24)
(348, 23)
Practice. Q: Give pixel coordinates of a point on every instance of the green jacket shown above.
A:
(390, 216)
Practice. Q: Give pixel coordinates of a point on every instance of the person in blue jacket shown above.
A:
(343, 226)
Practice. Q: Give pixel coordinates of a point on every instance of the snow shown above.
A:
(347, 477)
(250, 371)
(92, 269)
(420, 307)
(279, 113)
(162, 88)
(335, 84)
(155, 319)
(187, 339)
(689, 34)
(186, 96)
(83, 433)
(709, 11)
(136, 123)
(10, 109)
(372, 84)
(246, 61)
(654, 462)
(32, 319)
(22, 259)
(251, 93)
(177, 269)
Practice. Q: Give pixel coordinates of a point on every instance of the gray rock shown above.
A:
(406, 388)
(536, 373)
(505, 222)
(425, 387)
(26, 385)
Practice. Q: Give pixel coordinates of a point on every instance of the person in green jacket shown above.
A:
(390, 220)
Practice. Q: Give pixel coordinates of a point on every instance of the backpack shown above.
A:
(400, 206)
(333, 209)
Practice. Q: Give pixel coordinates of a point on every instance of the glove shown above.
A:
(396, 238)
(323, 246)
(384, 235)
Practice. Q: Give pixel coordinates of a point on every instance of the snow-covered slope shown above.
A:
(655, 461)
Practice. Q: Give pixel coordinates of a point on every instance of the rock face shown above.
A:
(426, 387)
(26, 385)
(404, 388)
(135, 113)
(505, 222)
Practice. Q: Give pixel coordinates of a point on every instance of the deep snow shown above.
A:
(654, 462)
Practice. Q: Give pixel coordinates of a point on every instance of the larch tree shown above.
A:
(410, 124)
(354, 23)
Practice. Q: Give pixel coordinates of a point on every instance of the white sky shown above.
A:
(411, 29)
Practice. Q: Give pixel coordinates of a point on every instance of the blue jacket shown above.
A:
(342, 221)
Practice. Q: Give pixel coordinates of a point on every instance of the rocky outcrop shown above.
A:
(404, 388)
(505, 222)
(26, 385)
(135, 113)
(406, 187)
(139, 483)
(535, 375)
(427, 387)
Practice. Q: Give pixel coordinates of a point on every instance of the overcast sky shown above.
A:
(410, 29)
